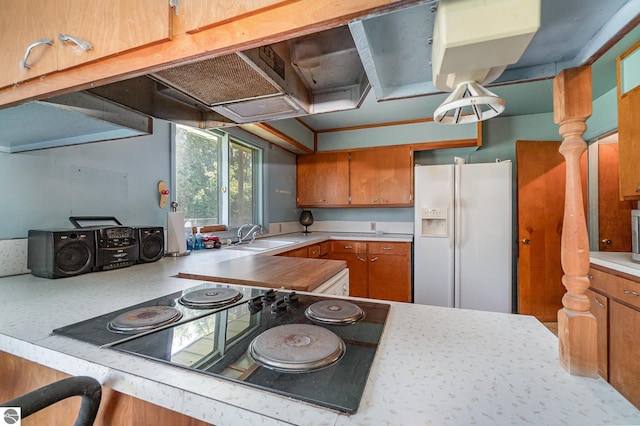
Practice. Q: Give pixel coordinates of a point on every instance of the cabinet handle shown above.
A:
(348, 247)
(606, 241)
(30, 47)
(84, 45)
(374, 201)
(384, 200)
(590, 276)
(597, 300)
(387, 248)
(320, 201)
(360, 259)
(374, 259)
(526, 241)
(631, 292)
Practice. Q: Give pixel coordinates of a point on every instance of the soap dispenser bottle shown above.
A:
(198, 243)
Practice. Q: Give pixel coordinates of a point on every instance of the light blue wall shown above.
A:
(413, 133)
(41, 189)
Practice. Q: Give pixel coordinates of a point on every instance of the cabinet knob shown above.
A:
(526, 241)
(606, 241)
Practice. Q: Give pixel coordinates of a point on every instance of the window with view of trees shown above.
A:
(217, 178)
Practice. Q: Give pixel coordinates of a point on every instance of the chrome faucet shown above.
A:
(255, 229)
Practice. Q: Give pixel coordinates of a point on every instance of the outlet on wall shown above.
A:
(373, 226)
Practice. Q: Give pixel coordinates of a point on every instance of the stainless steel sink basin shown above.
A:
(260, 245)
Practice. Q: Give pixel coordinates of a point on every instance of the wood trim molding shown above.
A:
(285, 138)
(374, 125)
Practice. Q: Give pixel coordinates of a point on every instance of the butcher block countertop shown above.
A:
(291, 273)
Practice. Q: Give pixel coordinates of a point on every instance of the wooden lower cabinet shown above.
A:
(20, 376)
(390, 271)
(618, 329)
(355, 254)
(624, 351)
(600, 309)
(376, 270)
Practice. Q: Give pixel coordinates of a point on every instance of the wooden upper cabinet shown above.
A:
(196, 15)
(629, 123)
(109, 26)
(323, 179)
(382, 176)
(23, 23)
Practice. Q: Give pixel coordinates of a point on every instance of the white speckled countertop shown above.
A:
(619, 261)
(435, 365)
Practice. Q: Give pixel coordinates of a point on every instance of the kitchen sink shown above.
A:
(260, 245)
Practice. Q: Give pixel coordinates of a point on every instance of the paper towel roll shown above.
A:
(176, 241)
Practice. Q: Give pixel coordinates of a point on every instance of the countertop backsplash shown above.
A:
(13, 257)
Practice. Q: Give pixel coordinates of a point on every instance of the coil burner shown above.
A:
(142, 319)
(336, 312)
(210, 298)
(297, 348)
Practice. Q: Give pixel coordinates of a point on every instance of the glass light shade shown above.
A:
(306, 220)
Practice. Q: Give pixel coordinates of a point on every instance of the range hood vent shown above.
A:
(214, 81)
(255, 85)
(319, 72)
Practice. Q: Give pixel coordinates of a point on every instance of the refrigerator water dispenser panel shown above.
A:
(434, 222)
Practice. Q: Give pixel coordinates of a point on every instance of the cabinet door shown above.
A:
(599, 309)
(323, 179)
(396, 176)
(390, 277)
(624, 351)
(628, 128)
(24, 22)
(357, 265)
(382, 176)
(111, 26)
(195, 15)
(628, 135)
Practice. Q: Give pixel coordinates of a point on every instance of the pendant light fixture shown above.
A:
(473, 43)
(468, 103)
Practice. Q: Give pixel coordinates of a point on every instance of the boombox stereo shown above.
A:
(61, 253)
(116, 247)
(67, 252)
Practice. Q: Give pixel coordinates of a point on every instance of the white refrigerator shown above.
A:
(462, 241)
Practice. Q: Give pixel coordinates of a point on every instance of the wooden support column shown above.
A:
(577, 331)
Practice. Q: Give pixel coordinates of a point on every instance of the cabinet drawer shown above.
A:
(314, 250)
(325, 247)
(400, 249)
(348, 246)
(615, 287)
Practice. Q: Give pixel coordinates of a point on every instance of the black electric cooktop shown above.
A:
(225, 342)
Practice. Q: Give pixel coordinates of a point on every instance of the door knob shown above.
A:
(606, 241)
(526, 241)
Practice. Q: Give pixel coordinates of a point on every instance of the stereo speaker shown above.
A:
(151, 241)
(60, 253)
